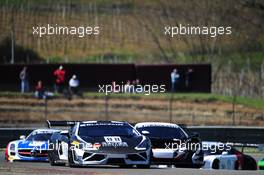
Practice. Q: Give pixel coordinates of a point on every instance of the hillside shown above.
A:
(134, 29)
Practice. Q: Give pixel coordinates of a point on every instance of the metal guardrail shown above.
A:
(233, 134)
(244, 135)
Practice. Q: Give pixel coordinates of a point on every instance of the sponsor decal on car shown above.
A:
(102, 124)
(114, 141)
(96, 145)
(114, 144)
(36, 143)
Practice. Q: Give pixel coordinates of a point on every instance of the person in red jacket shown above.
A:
(39, 90)
(59, 79)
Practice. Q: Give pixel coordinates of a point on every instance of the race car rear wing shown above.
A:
(237, 145)
(51, 123)
(243, 145)
(249, 145)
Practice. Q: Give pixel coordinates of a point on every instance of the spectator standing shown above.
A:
(74, 85)
(189, 80)
(137, 82)
(174, 80)
(24, 80)
(59, 79)
(39, 90)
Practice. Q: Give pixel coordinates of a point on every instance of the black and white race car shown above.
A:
(99, 143)
(171, 145)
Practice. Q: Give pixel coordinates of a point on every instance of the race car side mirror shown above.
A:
(22, 137)
(65, 133)
(145, 132)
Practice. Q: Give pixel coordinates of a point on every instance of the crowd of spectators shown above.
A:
(60, 84)
(71, 88)
(187, 76)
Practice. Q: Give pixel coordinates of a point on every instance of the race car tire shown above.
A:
(143, 166)
(250, 163)
(216, 164)
(71, 163)
(126, 166)
(146, 166)
(6, 158)
(51, 161)
(238, 166)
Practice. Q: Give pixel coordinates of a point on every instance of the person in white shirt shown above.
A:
(74, 85)
(175, 76)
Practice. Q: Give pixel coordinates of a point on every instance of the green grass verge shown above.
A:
(193, 97)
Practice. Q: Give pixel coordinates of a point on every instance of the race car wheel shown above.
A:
(143, 166)
(51, 160)
(126, 166)
(71, 163)
(215, 164)
(238, 166)
(146, 166)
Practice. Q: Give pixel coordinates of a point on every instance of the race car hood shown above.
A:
(114, 144)
(25, 144)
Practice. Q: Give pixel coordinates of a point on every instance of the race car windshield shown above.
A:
(39, 137)
(108, 130)
(164, 132)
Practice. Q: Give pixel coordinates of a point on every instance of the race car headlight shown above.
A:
(12, 147)
(77, 144)
(143, 145)
(80, 145)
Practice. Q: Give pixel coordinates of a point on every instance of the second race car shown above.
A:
(171, 145)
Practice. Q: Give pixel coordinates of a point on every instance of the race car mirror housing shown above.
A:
(22, 137)
(145, 132)
(65, 133)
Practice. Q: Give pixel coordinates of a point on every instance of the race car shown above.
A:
(224, 156)
(99, 143)
(32, 148)
(261, 164)
(171, 145)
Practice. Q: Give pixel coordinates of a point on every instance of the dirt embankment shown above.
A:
(28, 110)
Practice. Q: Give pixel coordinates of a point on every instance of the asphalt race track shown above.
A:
(28, 168)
